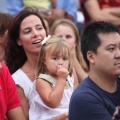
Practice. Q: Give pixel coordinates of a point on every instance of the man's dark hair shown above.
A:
(90, 40)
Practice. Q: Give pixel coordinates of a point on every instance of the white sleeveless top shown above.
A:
(39, 111)
(23, 81)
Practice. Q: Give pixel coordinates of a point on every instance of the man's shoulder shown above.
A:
(86, 89)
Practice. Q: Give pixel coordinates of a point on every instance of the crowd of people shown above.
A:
(51, 70)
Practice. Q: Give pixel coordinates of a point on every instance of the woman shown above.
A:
(25, 34)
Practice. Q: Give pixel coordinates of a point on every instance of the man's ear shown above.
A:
(90, 57)
(19, 42)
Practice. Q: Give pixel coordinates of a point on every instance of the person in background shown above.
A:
(80, 17)
(26, 32)
(5, 20)
(10, 105)
(69, 32)
(51, 9)
(101, 10)
(98, 96)
(55, 81)
(63, 9)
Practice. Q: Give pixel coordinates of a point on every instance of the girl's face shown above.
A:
(66, 33)
(31, 34)
(53, 62)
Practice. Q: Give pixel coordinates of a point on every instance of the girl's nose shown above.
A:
(60, 61)
(64, 37)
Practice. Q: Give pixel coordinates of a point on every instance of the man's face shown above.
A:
(107, 58)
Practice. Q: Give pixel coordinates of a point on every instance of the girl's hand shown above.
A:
(62, 72)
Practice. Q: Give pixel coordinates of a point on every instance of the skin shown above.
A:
(15, 114)
(105, 64)
(59, 63)
(105, 14)
(31, 30)
(66, 33)
(58, 69)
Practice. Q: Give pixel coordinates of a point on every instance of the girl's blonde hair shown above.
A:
(55, 46)
(69, 23)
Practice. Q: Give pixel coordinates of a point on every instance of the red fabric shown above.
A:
(8, 95)
(102, 3)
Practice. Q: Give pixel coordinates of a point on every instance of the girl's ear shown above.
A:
(90, 57)
(19, 42)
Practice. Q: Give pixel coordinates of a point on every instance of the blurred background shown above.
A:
(3, 7)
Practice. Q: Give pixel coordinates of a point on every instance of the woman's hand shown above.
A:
(63, 116)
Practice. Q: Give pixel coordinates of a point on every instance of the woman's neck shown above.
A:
(30, 67)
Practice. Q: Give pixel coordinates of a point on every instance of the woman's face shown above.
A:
(66, 33)
(31, 33)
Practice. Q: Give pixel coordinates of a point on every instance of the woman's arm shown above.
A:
(15, 114)
(24, 102)
(63, 116)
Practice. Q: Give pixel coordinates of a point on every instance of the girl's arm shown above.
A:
(75, 79)
(52, 97)
(81, 74)
(24, 102)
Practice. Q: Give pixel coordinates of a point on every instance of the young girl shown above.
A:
(69, 32)
(54, 84)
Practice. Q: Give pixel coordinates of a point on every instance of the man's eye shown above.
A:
(111, 49)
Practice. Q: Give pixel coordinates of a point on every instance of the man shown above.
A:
(9, 101)
(98, 96)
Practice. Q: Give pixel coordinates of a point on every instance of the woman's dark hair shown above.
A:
(15, 55)
(5, 20)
